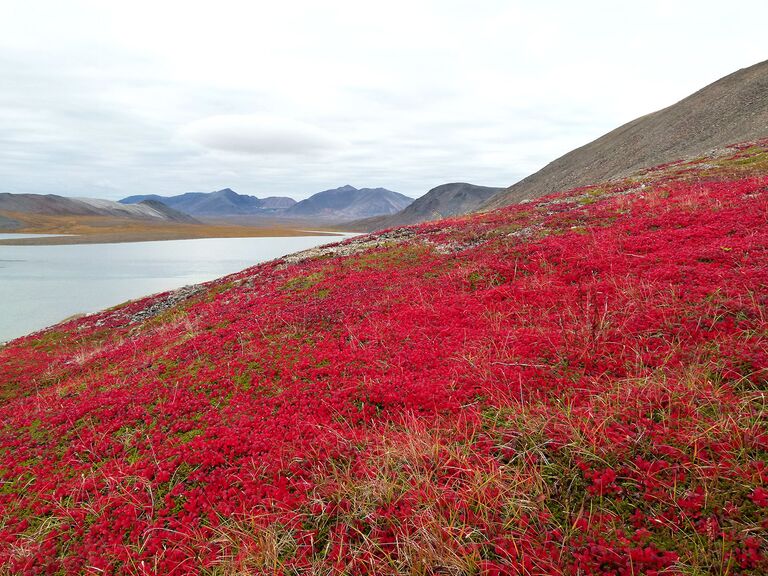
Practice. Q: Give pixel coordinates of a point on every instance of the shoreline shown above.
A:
(79, 229)
(53, 238)
(98, 278)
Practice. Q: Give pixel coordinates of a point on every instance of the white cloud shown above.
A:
(260, 135)
(291, 98)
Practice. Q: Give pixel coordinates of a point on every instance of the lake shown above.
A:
(43, 285)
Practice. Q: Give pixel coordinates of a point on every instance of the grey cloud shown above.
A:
(260, 135)
(297, 105)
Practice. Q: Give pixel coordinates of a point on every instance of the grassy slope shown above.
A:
(575, 385)
(101, 229)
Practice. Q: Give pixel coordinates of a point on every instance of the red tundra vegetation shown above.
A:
(575, 385)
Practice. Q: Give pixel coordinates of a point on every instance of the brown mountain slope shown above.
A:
(443, 201)
(54, 205)
(733, 109)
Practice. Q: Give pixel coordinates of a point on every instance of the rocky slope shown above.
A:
(440, 202)
(576, 385)
(733, 109)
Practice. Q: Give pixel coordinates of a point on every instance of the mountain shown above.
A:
(54, 205)
(9, 223)
(277, 203)
(440, 202)
(572, 386)
(145, 209)
(349, 203)
(221, 203)
(340, 204)
(733, 109)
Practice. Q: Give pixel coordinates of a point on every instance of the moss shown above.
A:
(483, 280)
(591, 196)
(189, 435)
(16, 485)
(321, 294)
(212, 292)
(242, 381)
(390, 256)
(36, 432)
(752, 159)
(303, 283)
(132, 455)
(49, 341)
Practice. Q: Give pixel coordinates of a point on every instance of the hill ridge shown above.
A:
(443, 201)
(224, 202)
(55, 205)
(349, 203)
(731, 109)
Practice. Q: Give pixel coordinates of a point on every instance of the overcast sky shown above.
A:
(106, 98)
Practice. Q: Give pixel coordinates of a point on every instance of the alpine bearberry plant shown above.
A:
(574, 385)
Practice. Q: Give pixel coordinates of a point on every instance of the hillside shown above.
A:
(53, 205)
(97, 221)
(440, 202)
(9, 224)
(733, 109)
(349, 203)
(576, 385)
(224, 202)
(145, 209)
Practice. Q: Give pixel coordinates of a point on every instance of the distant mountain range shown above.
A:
(732, 109)
(337, 205)
(14, 205)
(440, 202)
(224, 202)
(349, 203)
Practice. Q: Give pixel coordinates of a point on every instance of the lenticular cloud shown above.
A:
(254, 134)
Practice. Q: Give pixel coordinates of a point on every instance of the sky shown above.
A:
(108, 99)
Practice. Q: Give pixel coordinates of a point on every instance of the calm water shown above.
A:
(42, 285)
